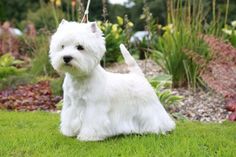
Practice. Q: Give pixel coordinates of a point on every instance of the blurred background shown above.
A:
(21, 12)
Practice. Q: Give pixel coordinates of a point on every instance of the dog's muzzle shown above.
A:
(67, 59)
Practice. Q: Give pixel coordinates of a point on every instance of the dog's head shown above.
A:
(76, 48)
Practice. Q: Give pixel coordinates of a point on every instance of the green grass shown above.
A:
(36, 134)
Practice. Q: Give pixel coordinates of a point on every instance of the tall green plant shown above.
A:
(41, 64)
(183, 32)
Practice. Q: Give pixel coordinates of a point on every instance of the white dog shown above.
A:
(99, 104)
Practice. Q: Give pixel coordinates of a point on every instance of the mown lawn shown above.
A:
(36, 134)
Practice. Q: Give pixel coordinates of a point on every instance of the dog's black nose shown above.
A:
(67, 59)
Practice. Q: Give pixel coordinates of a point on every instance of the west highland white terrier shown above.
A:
(99, 104)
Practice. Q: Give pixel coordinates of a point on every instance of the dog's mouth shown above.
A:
(67, 65)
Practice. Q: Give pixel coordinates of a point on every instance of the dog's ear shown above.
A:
(94, 28)
(63, 21)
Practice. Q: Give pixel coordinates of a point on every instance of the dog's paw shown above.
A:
(67, 132)
(86, 137)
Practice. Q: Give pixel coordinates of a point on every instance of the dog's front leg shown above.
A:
(95, 126)
(68, 116)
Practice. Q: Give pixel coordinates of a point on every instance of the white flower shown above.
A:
(169, 27)
(227, 31)
(233, 23)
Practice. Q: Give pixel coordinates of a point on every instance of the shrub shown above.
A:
(46, 17)
(162, 85)
(174, 60)
(10, 75)
(180, 43)
(115, 34)
(7, 67)
(40, 63)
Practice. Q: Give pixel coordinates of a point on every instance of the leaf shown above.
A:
(6, 60)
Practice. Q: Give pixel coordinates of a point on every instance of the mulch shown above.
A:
(29, 97)
(220, 72)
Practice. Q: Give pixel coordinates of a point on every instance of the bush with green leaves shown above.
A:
(10, 75)
(47, 16)
(162, 85)
(172, 57)
(41, 64)
(181, 50)
(115, 34)
(8, 66)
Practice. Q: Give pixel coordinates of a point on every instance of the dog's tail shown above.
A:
(130, 61)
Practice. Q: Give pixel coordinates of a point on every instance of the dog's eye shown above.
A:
(62, 46)
(79, 47)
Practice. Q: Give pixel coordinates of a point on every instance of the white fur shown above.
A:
(99, 104)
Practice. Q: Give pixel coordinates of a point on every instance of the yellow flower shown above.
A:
(99, 23)
(107, 24)
(58, 3)
(130, 24)
(120, 20)
(117, 35)
(114, 28)
(169, 27)
(227, 31)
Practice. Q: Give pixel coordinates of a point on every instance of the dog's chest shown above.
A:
(77, 92)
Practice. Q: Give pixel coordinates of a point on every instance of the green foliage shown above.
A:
(230, 32)
(41, 64)
(16, 10)
(37, 134)
(143, 46)
(172, 58)
(181, 42)
(59, 105)
(114, 35)
(10, 75)
(47, 16)
(162, 85)
(56, 86)
(7, 67)
(14, 80)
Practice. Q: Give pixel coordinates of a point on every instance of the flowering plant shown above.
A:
(231, 33)
(115, 34)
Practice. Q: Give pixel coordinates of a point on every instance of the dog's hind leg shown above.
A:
(154, 119)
